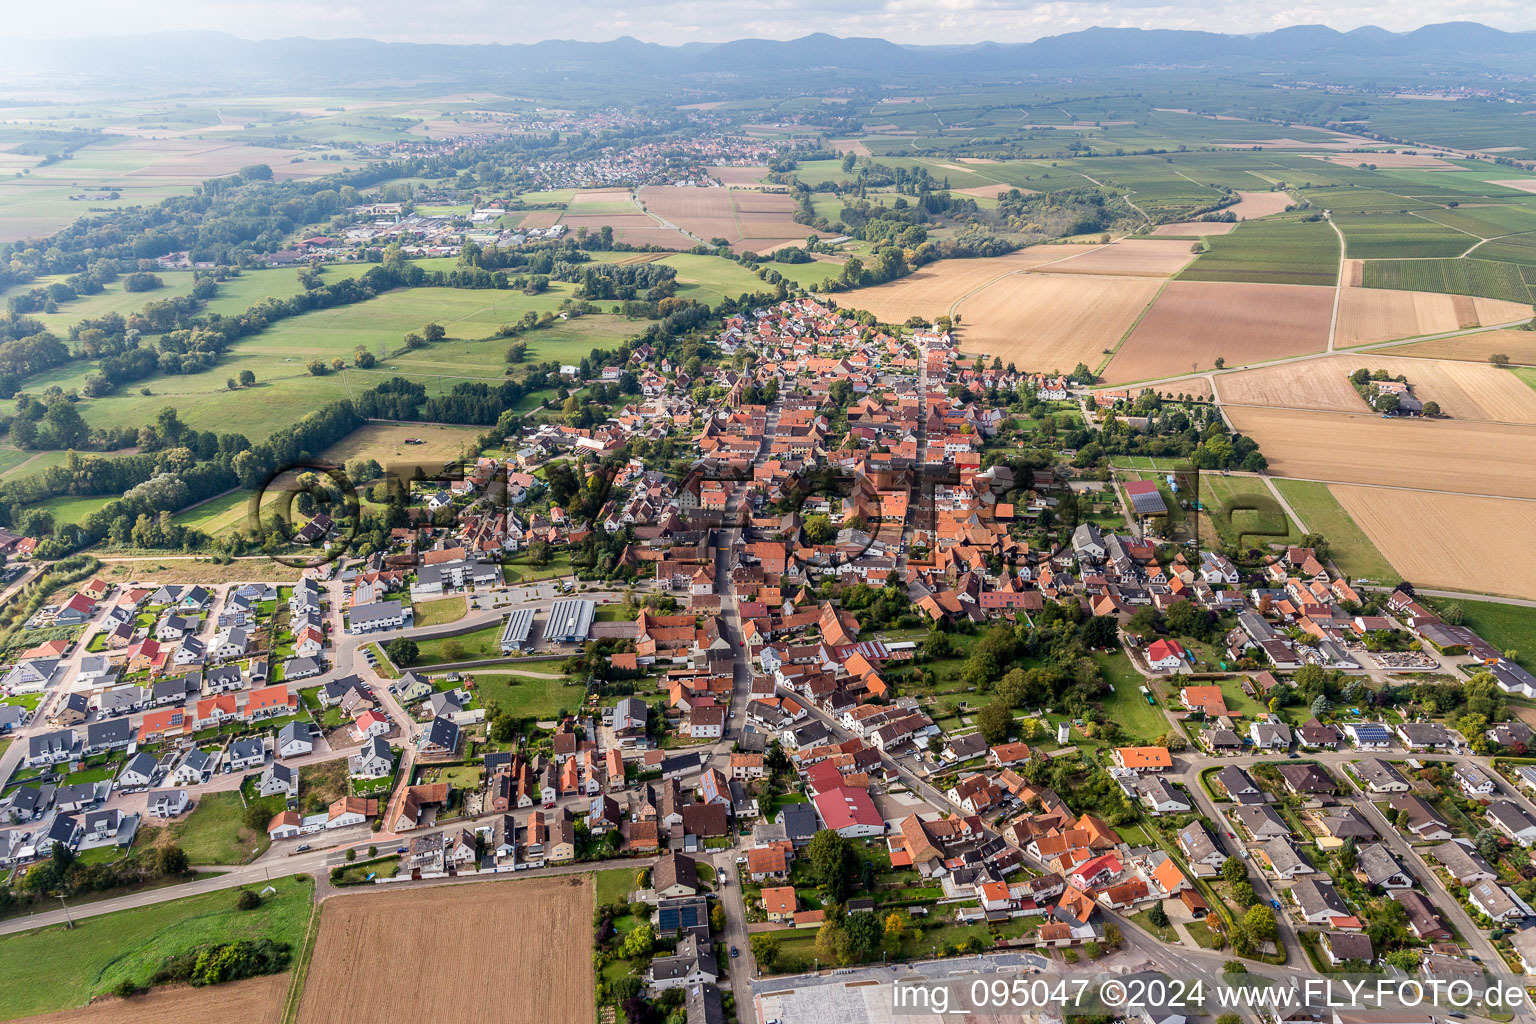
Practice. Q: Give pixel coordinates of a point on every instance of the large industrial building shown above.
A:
(515, 636)
(569, 621)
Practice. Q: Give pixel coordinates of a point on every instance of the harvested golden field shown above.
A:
(1133, 257)
(1369, 315)
(385, 442)
(1049, 322)
(635, 228)
(521, 947)
(1441, 540)
(1519, 346)
(742, 217)
(1254, 205)
(540, 219)
(1193, 323)
(253, 1001)
(1185, 229)
(931, 290)
(596, 196)
(1443, 455)
(1422, 161)
(854, 146)
(1320, 384)
(1523, 184)
(991, 191)
(1465, 391)
(739, 176)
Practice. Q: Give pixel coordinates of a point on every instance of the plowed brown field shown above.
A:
(1464, 456)
(1051, 322)
(254, 1001)
(1441, 540)
(1137, 257)
(1192, 323)
(518, 950)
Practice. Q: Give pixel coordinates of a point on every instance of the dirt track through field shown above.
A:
(254, 1001)
(514, 950)
(1442, 540)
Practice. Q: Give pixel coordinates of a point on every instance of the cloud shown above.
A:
(679, 21)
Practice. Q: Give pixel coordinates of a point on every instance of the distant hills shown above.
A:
(210, 58)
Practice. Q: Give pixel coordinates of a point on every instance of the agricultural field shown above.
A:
(1368, 315)
(279, 356)
(1254, 205)
(54, 969)
(1442, 540)
(548, 980)
(1310, 384)
(252, 1001)
(1348, 545)
(1464, 390)
(1471, 276)
(1394, 235)
(748, 220)
(1049, 322)
(386, 443)
(1193, 323)
(1278, 250)
(933, 290)
(1133, 257)
(1193, 229)
(1519, 346)
(1449, 455)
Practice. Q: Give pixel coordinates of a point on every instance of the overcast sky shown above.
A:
(675, 21)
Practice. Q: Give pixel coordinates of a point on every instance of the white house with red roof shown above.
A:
(849, 812)
(1165, 655)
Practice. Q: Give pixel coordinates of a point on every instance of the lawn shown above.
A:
(1244, 526)
(441, 611)
(54, 969)
(517, 569)
(1127, 706)
(1165, 934)
(215, 832)
(1348, 545)
(482, 643)
(1276, 250)
(527, 696)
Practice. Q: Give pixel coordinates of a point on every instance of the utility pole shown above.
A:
(68, 922)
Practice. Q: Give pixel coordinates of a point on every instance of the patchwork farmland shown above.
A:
(1194, 323)
(1052, 321)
